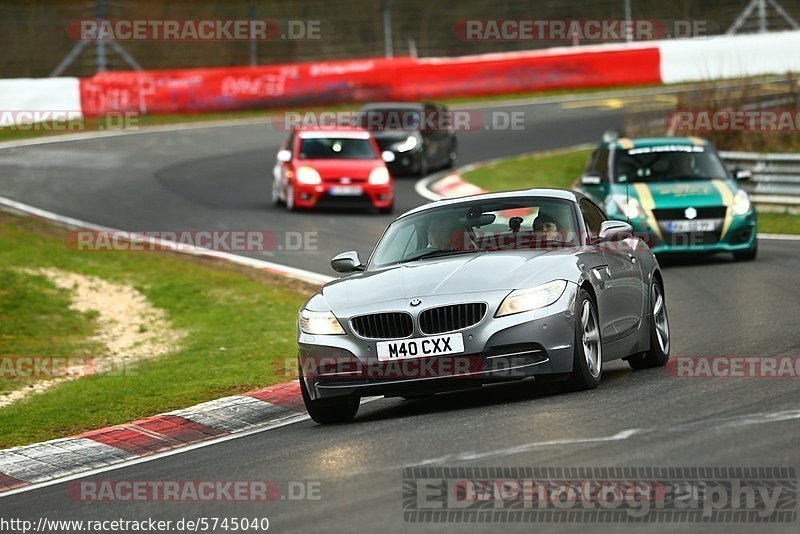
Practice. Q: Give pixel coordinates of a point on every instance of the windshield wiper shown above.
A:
(437, 254)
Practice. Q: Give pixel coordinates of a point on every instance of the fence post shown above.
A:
(388, 38)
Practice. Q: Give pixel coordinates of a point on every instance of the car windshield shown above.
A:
(390, 120)
(336, 148)
(666, 163)
(478, 227)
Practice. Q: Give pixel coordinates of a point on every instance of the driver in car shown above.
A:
(545, 227)
(440, 234)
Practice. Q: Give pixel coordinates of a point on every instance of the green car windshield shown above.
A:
(667, 163)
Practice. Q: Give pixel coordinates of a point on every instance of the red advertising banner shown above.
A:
(334, 82)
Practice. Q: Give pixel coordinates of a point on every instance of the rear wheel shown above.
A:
(587, 364)
(658, 354)
(327, 411)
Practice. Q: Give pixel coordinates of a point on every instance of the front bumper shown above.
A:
(538, 342)
(740, 235)
(406, 162)
(376, 196)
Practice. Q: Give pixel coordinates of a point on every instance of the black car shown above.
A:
(419, 134)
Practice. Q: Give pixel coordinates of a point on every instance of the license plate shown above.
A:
(420, 347)
(691, 226)
(346, 190)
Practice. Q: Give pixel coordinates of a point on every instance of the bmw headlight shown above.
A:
(319, 323)
(410, 143)
(630, 207)
(741, 203)
(522, 300)
(379, 176)
(308, 176)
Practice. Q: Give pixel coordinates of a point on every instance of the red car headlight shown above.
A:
(379, 176)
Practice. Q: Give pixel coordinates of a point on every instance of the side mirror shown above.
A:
(387, 156)
(742, 174)
(615, 231)
(591, 178)
(347, 262)
(284, 156)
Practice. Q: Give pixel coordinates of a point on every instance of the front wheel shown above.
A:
(423, 165)
(328, 411)
(587, 363)
(276, 193)
(290, 198)
(658, 354)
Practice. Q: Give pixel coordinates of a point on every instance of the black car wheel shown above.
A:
(328, 411)
(451, 157)
(422, 170)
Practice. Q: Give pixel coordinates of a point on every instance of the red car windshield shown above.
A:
(336, 148)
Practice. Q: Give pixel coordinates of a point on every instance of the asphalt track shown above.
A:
(220, 178)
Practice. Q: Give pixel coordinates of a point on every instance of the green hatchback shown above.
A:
(675, 192)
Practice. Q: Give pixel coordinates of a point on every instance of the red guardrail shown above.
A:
(334, 82)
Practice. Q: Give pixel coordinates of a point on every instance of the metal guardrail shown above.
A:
(776, 177)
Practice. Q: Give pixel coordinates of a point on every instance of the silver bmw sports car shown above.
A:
(496, 287)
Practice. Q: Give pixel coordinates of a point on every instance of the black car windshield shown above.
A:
(336, 148)
(478, 227)
(378, 120)
(667, 163)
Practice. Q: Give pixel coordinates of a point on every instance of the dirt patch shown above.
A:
(130, 328)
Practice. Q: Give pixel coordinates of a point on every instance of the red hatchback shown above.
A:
(336, 167)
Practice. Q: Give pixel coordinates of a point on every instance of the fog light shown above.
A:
(383, 196)
(744, 235)
(305, 196)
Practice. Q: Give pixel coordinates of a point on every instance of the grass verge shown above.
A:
(561, 168)
(239, 326)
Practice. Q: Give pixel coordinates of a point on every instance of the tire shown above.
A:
(423, 165)
(746, 255)
(658, 354)
(329, 411)
(387, 210)
(276, 194)
(451, 157)
(290, 198)
(587, 363)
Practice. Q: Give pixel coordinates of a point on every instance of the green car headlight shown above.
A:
(522, 300)
(741, 203)
(319, 323)
(630, 207)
